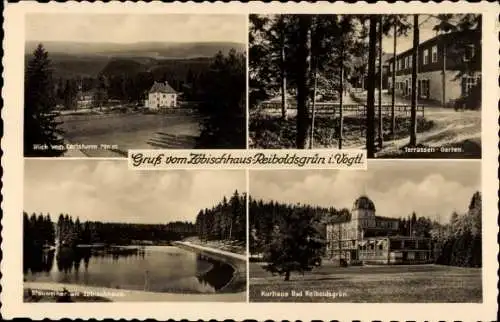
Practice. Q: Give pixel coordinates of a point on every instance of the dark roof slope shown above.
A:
(162, 88)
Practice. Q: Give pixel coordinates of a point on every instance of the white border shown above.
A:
(12, 162)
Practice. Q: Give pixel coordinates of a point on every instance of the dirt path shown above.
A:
(457, 132)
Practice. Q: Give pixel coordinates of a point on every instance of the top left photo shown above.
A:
(97, 85)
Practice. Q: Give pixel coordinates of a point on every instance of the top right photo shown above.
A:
(399, 85)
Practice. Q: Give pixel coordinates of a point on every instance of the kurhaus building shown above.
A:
(362, 237)
(439, 62)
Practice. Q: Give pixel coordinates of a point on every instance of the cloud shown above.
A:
(397, 188)
(108, 191)
(121, 28)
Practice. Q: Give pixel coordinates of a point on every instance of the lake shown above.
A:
(152, 268)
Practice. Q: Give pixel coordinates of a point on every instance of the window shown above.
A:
(410, 61)
(434, 54)
(469, 52)
(426, 56)
(468, 83)
(423, 88)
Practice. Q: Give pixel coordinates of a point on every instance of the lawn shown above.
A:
(133, 130)
(370, 284)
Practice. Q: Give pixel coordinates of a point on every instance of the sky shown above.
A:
(130, 28)
(108, 191)
(430, 188)
(405, 42)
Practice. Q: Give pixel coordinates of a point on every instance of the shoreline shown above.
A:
(237, 261)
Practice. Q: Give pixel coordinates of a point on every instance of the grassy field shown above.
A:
(370, 284)
(127, 131)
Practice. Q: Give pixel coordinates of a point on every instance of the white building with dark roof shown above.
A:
(363, 237)
(160, 96)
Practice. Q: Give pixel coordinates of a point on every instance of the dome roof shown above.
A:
(364, 203)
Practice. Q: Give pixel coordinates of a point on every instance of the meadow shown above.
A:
(370, 284)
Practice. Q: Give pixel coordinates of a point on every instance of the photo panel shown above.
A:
(400, 232)
(107, 83)
(95, 231)
(345, 81)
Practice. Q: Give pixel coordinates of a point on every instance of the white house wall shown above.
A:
(161, 100)
(453, 84)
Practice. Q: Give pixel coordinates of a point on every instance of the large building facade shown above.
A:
(440, 64)
(366, 238)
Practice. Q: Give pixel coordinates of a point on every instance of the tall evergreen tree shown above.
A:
(224, 104)
(40, 116)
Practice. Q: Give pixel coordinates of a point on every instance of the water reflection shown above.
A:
(157, 269)
(39, 261)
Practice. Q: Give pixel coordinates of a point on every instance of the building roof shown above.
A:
(365, 203)
(162, 88)
(339, 218)
(386, 218)
(440, 37)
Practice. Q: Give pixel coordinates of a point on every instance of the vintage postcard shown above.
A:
(168, 236)
(350, 84)
(129, 81)
(400, 232)
(263, 161)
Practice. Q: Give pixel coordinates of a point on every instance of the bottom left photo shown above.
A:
(95, 231)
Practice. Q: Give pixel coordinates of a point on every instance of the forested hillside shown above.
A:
(224, 221)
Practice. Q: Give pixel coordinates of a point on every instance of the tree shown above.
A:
(370, 103)
(400, 27)
(224, 105)
(100, 96)
(463, 27)
(295, 244)
(40, 116)
(380, 57)
(70, 94)
(416, 42)
(281, 26)
(303, 79)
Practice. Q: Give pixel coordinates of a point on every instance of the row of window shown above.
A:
(407, 62)
(423, 86)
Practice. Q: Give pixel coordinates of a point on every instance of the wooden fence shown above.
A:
(333, 109)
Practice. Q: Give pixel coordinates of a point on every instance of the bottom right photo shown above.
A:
(399, 232)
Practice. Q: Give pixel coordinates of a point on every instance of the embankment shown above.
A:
(237, 261)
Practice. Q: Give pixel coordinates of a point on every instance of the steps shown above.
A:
(164, 140)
